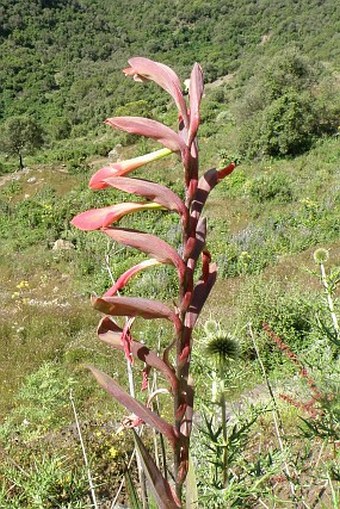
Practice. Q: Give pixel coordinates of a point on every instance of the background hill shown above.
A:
(61, 61)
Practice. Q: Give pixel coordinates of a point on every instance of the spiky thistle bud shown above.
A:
(321, 255)
(223, 346)
(211, 327)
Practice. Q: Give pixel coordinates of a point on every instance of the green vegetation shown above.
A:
(61, 61)
(272, 102)
(20, 135)
(286, 105)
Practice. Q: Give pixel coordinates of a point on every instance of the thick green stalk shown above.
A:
(225, 456)
(329, 300)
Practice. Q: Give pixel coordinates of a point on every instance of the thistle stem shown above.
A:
(329, 300)
(278, 426)
(224, 426)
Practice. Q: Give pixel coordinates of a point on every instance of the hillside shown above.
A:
(61, 61)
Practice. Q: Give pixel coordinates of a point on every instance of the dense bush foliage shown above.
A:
(284, 107)
(61, 60)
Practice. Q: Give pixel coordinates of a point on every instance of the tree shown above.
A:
(21, 135)
(284, 107)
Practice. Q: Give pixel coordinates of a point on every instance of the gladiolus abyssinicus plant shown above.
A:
(174, 362)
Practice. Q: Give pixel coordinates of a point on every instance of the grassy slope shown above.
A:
(264, 251)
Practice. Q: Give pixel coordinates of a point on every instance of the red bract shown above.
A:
(145, 69)
(150, 129)
(174, 362)
(124, 278)
(148, 244)
(100, 218)
(151, 191)
(195, 93)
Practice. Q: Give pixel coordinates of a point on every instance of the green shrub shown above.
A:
(285, 107)
(276, 186)
(49, 482)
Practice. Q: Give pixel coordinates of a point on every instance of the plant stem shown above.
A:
(87, 466)
(224, 426)
(279, 431)
(329, 300)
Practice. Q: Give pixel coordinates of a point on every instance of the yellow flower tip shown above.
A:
(22, 284)
(113, 452)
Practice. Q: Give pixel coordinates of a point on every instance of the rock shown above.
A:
(62, 244)
(31, 180)
(114, 153)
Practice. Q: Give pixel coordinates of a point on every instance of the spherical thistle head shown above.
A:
(224, 347)
(321, 255)
(211, 327)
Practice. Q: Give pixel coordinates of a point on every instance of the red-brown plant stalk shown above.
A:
(174, 363)
(309, 406)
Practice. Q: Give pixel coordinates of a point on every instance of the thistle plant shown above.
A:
(224, 348)
(329, 283)
(174, 362)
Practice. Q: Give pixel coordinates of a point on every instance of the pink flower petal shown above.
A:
(94, 219)
(125, 167)
(149, 128)
(144, 68)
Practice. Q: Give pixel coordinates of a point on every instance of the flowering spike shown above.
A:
(192, 296)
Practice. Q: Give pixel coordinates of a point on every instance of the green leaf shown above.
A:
(134, 501)
(164, 495)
